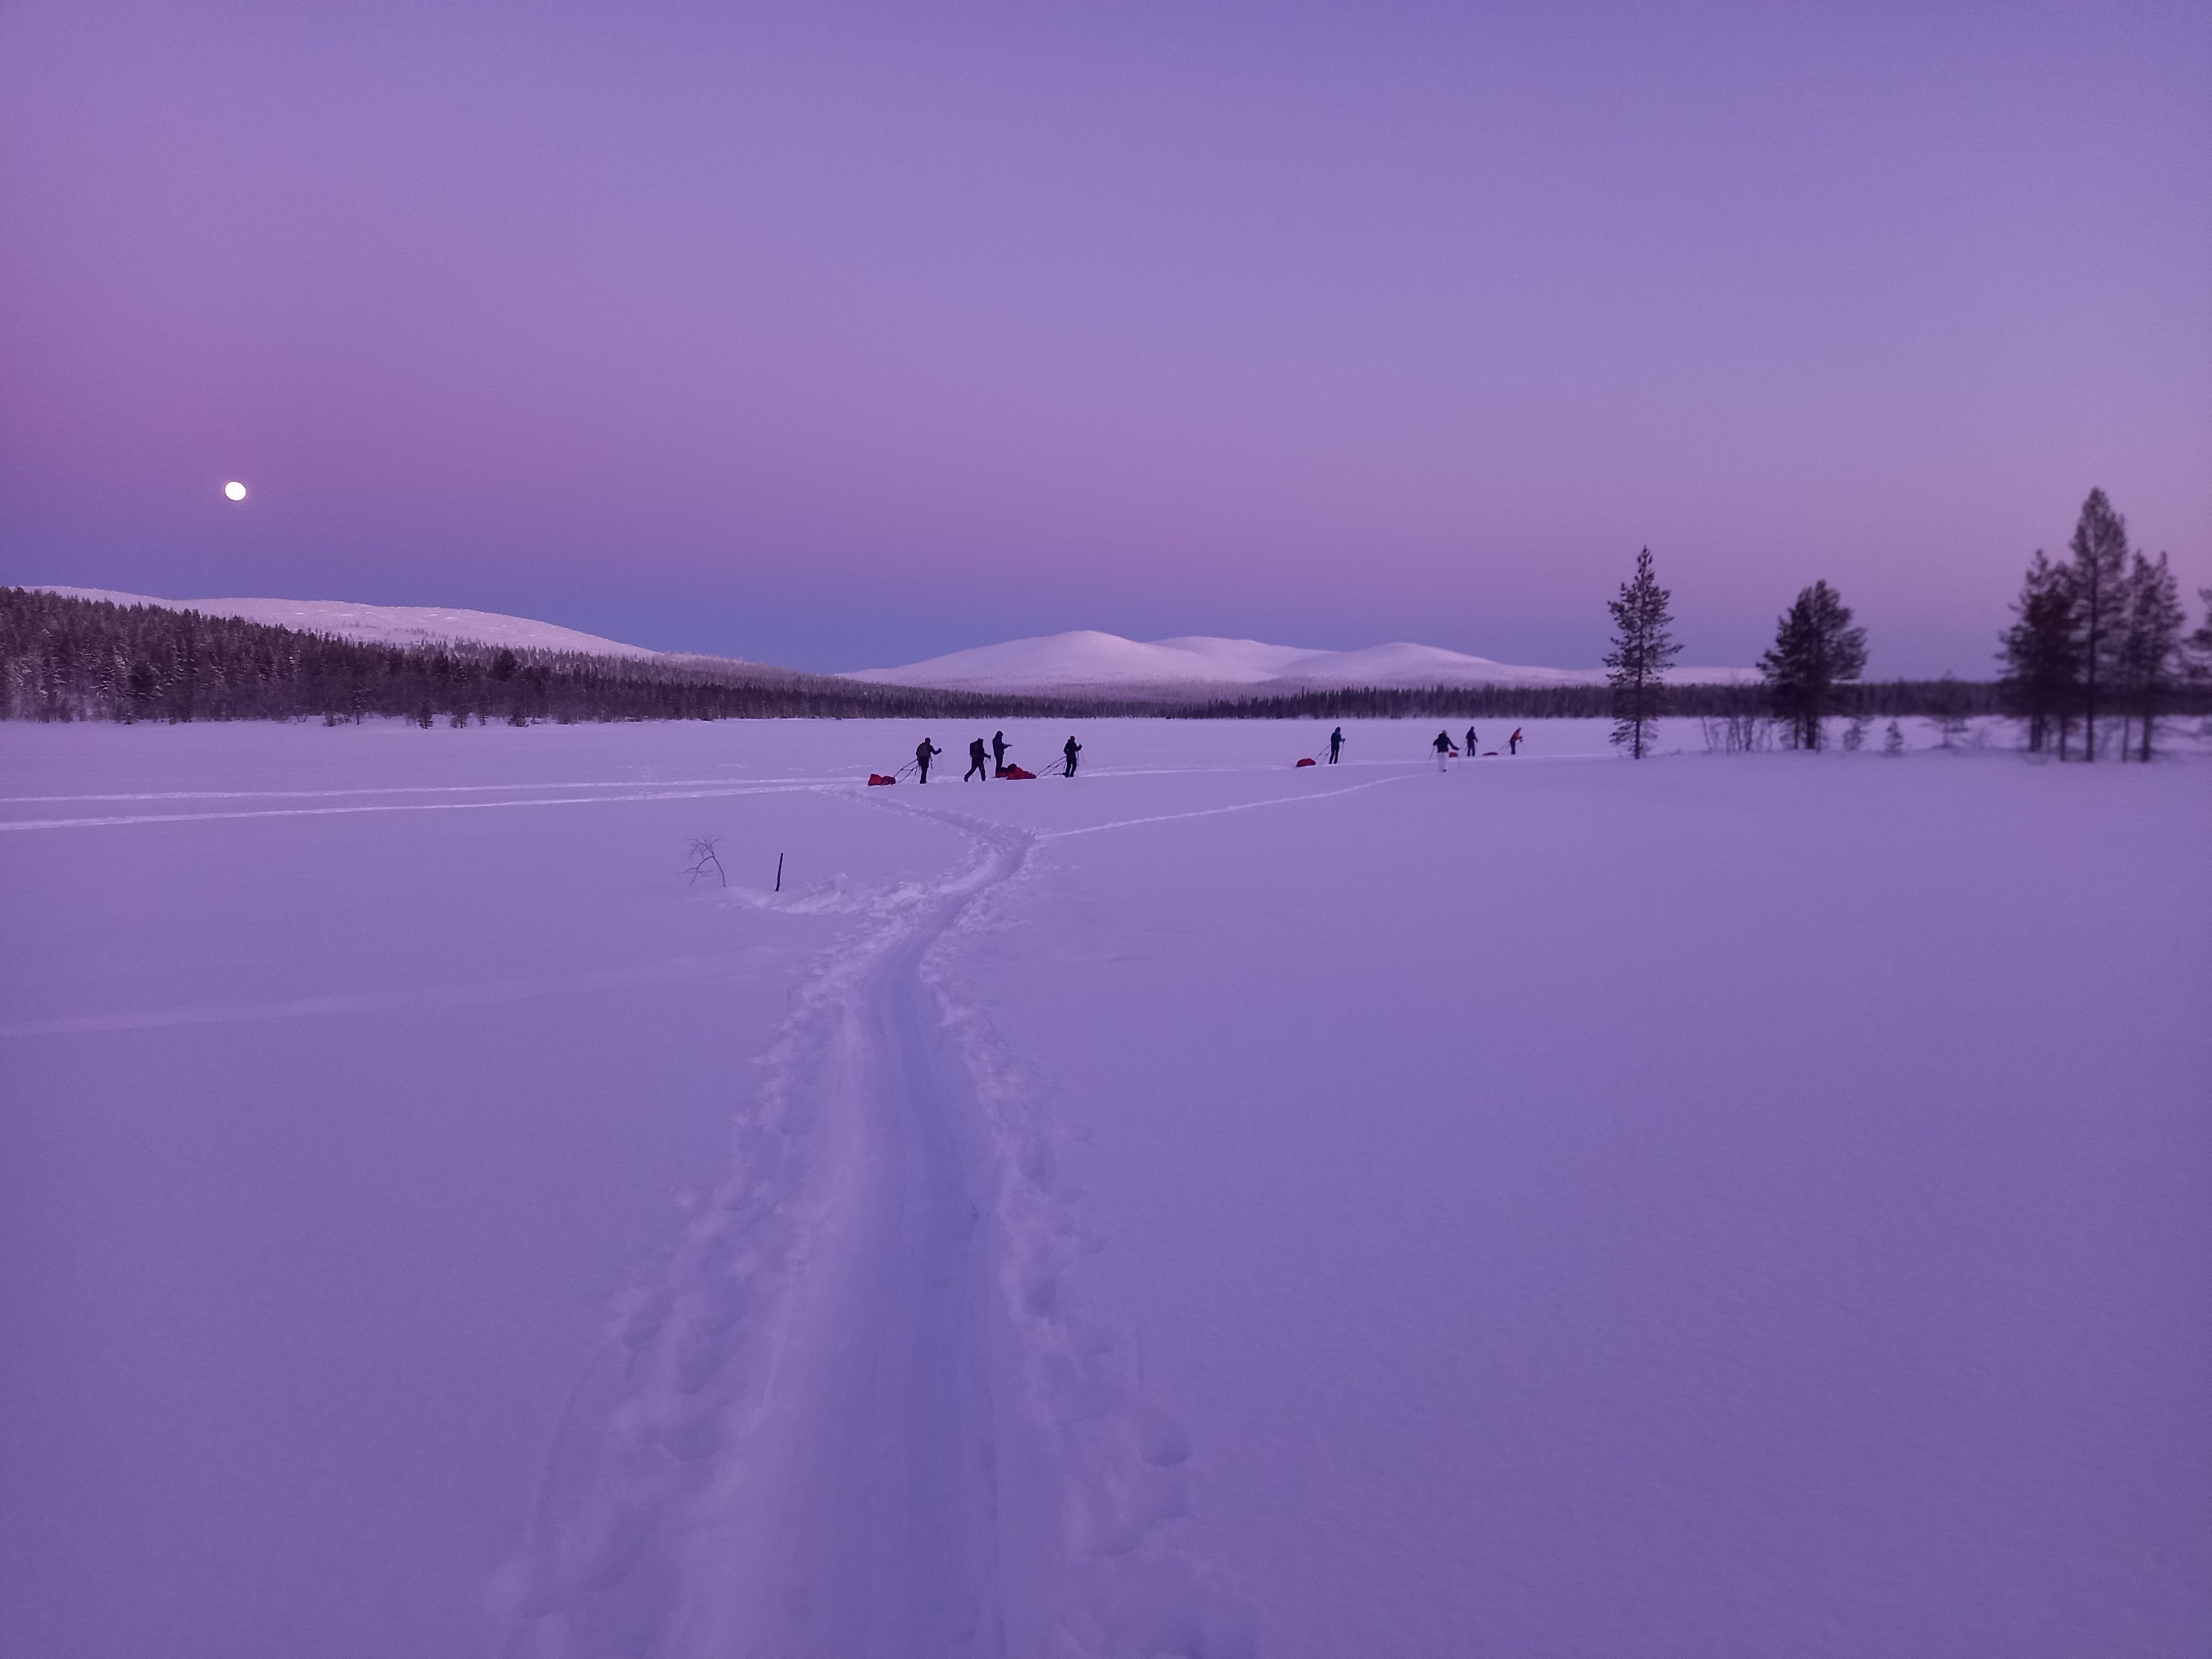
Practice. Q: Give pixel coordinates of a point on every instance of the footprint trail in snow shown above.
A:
(854, 1415)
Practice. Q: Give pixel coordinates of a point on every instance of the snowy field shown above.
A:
(1726, 1206)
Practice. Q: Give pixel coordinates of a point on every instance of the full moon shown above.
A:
(235, 490)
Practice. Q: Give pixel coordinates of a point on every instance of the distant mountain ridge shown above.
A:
(383, 624)
(1088, 660)
(1085, 662)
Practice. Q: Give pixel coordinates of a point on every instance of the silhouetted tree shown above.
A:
(1643, 649)
(1815, 651)
(2041, 652)
(2098, 576)
(2197, 649)
(2149, 649)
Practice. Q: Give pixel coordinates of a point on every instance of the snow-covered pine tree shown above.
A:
(2149, 643)
(2099, 579)
(1643, 649)
(2042, 654)
(1815, 650)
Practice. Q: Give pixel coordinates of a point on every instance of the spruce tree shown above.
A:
(2197, 649)
(1643, 649)
(2099, 576)
(1815, 650)
(2042, 653)
(2149, 642)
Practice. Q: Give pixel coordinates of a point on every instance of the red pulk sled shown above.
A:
(1308, 761)
(1015, 772)
(875, 778)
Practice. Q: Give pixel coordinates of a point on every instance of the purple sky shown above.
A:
(839, 337)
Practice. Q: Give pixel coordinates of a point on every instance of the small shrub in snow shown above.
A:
(1737, 735)
(705, 859)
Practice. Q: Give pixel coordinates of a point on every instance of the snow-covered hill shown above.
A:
(384, 624)
(1090, 660)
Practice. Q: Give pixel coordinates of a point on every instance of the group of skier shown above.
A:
(993, 763)
(1446, 748)
(986, 757)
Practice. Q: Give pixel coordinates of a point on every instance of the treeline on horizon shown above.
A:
(2096, 642)
(68, 659)
(1935, 699)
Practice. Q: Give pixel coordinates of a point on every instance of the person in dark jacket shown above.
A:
(1470, 743)
(1442, 745)
(1335, 745)
(1071, 749)
(922, 752)
(978, 763)
(1513, 743)
(998, 750)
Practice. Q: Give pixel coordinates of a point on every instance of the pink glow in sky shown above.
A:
(841, 337)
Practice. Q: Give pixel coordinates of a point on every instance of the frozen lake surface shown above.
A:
(1726, 1205)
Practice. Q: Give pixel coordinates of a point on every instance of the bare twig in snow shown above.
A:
(705, 857)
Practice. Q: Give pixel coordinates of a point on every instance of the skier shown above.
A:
(976, 762)
(1335, 743)
(1513, 743)
(1071, 749)
(1444, 748)
(1470, 743)
(998, 750)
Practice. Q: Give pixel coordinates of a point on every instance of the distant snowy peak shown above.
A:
(1091, 661)
(384, 624)
(1085, 657)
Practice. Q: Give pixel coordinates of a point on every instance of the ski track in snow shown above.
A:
(401, 789)
(1215, 811)
(858, 1411)
(407, 806)
(630, 790)
(855, 1413)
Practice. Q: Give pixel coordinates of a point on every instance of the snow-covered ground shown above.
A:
(1086, 660)
(384, 624)
(1726, 1205)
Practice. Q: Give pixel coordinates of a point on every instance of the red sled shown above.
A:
(1015, 772)
(875, 778)
(1308, 761)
